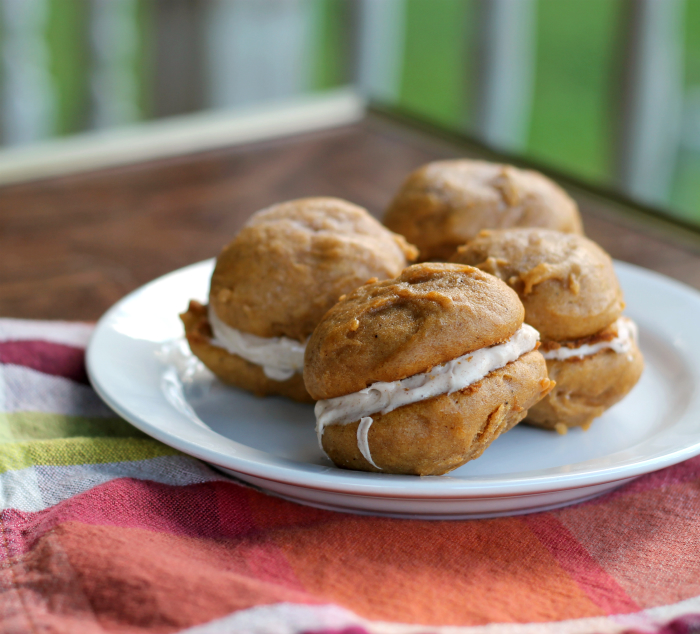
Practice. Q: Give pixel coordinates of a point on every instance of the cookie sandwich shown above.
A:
(421, 373)
(272, 284)
(572, 297)
(444, 204)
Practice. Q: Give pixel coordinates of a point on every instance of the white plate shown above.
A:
(139, 365)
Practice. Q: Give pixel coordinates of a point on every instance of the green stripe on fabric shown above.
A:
(76, 451)
(18, 426)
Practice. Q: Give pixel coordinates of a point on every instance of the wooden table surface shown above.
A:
(70, 247)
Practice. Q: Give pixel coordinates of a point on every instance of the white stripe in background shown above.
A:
(258, 51)
(291, 618)
(28, 96)
(176, 136)
(67, 333)
(37, 488)
(114, 49)
(382, 42)
(26, 390)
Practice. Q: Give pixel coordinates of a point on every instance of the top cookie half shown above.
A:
(566, 282)
(444, 204)
(387, 331)
(291, 262)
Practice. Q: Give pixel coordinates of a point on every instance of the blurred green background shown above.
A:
(576, 81)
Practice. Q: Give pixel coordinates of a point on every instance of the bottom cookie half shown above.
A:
(586, 387)
(231, 368)
(435, 436)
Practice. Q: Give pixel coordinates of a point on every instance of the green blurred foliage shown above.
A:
(69, 53)
(67, 37)
(572, 114)
(331, 44)
(143, 62)
(436, 75)
(692, 43)
(685, 198)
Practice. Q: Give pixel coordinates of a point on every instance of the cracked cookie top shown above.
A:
(291, 262)
(387, 331)
(566, 282)
(444, 204)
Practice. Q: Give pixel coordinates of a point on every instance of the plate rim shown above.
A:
(436, 488)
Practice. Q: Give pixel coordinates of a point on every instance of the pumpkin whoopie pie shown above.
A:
(573, 298)
(272, 284)
(444, 204)
(419, 374)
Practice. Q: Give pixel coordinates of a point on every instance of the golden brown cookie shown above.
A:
(291, 262)
(272, 284)
(444, 204)
(386, 331)
(231, 368)
(586, 387)
(419, 374)
(571, 295)
(566, 282)
(435, 436)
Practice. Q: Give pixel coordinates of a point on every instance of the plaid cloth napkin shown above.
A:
(106, 530)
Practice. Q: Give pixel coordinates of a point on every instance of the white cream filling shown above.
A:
(627, 334)
(280, 357)
(383, 397)
(363, 440)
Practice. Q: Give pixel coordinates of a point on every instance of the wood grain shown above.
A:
(70, 247)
